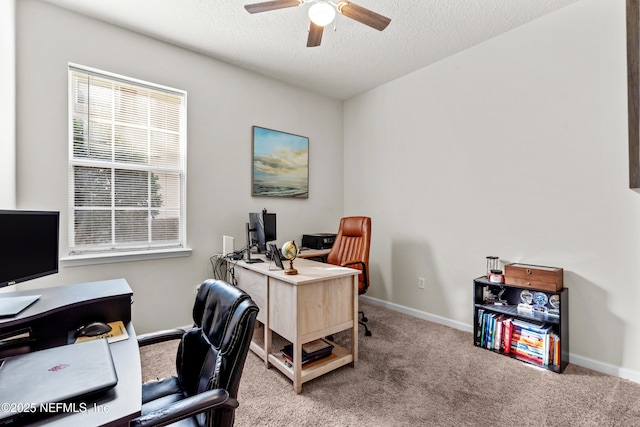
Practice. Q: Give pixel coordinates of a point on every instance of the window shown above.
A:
(126, 164)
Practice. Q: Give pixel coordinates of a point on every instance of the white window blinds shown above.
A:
(127, 163)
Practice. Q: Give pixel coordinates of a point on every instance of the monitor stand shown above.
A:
(248, 259)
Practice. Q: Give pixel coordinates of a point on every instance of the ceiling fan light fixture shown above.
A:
(322, 13)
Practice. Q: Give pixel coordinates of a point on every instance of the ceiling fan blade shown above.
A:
(363, 15)
(315, 35)
(271, 5)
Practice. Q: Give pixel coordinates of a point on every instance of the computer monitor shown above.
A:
(28, 250)
(28, 245)
(262, 226)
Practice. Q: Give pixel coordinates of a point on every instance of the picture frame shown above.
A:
(280, 164)
(275, 254)
(633, 88)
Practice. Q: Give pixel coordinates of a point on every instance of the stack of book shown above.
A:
(491, 330)
(311, 351)
(535, 342)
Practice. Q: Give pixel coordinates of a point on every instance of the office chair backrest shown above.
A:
(212, 354)
(352, 244)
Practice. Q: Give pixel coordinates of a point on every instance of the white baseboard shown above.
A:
(605, 368)
(419, 314)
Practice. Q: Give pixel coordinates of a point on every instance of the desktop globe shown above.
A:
(290, 251)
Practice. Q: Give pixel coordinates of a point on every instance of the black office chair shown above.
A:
(351, 249)
(209, 362)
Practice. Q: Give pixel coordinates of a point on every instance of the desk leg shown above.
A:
(297, 366)
(354, 330)
(267, 346)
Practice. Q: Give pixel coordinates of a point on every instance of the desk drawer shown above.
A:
(255, 284)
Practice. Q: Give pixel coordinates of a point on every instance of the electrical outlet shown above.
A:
(420, 282)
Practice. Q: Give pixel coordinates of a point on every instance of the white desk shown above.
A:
(321, 300)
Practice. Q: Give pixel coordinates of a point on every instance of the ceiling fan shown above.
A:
(322, 13)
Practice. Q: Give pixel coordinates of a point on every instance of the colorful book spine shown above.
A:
(498, 337)
(508, 331)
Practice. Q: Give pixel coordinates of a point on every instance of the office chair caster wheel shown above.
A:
(367, 333)
(364, 319)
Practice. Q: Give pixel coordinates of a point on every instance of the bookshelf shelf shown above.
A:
(532, 335)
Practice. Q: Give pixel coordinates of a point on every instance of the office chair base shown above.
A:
(363, 321)
(367, 332)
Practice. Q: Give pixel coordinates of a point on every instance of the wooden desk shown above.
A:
(63, 309)
(320, 300)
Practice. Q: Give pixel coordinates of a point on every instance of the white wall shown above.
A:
(517, 148)
(7, 105)
(223, 103)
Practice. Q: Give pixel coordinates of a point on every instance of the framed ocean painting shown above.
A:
(280, 164)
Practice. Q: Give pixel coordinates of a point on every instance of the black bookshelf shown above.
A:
(487, 308)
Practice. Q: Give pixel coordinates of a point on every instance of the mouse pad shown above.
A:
(117, 333)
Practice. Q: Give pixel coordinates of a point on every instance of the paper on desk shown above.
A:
(117, 333)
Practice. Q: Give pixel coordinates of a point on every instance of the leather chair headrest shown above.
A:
(214, 309)
(353, 226)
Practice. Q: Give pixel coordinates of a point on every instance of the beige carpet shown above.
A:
(416, 373)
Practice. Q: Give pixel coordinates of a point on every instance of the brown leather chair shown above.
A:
(209, 362)
(351, 249)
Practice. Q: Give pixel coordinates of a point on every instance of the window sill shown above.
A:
(108, 258)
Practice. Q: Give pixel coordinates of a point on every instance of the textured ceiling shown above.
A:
(352, 59)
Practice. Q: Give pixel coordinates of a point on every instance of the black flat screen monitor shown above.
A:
(28, 245)
(263, 227)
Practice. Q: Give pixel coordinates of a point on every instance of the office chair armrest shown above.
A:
(160, 336)
(185, 408)
(361, 264)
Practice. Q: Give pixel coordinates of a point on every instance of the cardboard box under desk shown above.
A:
(538, 277)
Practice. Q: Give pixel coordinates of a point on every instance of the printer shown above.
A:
(318, 240)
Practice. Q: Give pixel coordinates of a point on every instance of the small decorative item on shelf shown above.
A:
(495, 276)
(554, 302)
(527, 299)
(540, 300)
(290, 250)
(493, 263)
(501, 300)
(494, 296)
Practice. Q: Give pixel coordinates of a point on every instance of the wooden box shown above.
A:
(539, 277)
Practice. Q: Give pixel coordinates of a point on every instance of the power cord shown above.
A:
(223, 266)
